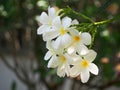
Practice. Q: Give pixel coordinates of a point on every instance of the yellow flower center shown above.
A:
(76, 38)
(62, 31)
(63, 59)
(84, 63)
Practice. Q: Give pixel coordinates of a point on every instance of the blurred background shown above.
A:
(22, 66)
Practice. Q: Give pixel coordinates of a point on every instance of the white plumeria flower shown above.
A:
(47, 20)
(79, 40)
(83, 66)
(60, 32)
(62, 63)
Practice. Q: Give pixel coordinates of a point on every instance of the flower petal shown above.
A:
(61, 71)
(67, 70)
(57, 43)
(84, 76)
(70, 58)
(82, 49)
(57, 22)
(74, 32)
(44, 19)
(50, 35)
(93, 69)
(86, 38)
(71, 50)
(47, 55)
(49, 45)
(66, 22)
(75, 21)
(42, 29)
(51, 12)
(90, 56)
(53, 62)
(66, 40)
(75, 71)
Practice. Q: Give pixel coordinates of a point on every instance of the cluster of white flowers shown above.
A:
(67, 47)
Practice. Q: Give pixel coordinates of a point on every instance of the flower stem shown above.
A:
(68, 10)
(107, 21)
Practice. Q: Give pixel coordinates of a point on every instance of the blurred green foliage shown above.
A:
(17, 15)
